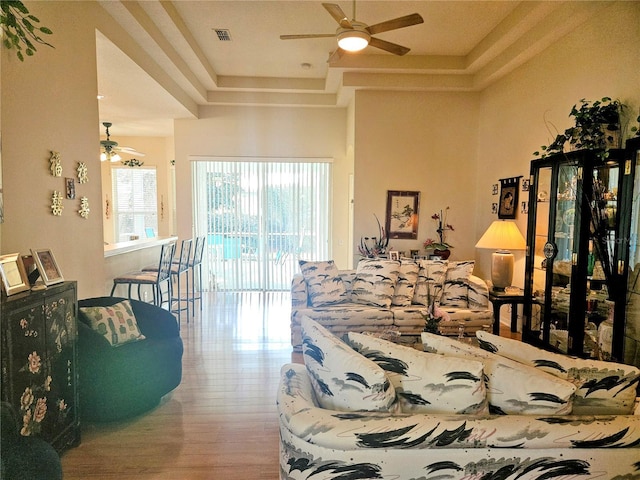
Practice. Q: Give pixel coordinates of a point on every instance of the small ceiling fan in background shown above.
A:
(109, 150)
(353, 36)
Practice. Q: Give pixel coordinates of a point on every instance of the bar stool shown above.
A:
(196, 262)
(154, 278)
(178, 268)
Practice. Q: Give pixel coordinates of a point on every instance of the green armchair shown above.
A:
(130, 379)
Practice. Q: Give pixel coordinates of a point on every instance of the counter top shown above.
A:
(119, 248)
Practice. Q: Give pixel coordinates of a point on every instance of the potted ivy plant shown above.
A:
(596, 126)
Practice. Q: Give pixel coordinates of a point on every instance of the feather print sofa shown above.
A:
(371, 409)
(388, 295)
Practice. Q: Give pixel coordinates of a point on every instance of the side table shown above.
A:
(511, 297)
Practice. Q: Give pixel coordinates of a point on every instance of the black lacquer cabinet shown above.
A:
(39, 371)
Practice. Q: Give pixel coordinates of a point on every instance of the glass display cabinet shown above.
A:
(576, 269)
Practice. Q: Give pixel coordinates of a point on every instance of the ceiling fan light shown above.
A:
(103, 157)
(115, 157)
(353, 40)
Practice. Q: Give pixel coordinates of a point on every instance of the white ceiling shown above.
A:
(461, 46)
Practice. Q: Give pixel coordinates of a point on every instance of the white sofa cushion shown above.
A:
(431, 274)
(512, 388)
(324, 283)
(604, 388)
(375, 282)
(427, 382)
(406, 284)
(347, 314)
(455, 291)
(342, 378)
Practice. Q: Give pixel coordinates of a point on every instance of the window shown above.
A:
(135, 202)
(260, 218)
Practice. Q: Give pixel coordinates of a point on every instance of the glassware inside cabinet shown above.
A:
(602, 264)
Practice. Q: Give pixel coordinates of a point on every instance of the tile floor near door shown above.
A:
(221, 422)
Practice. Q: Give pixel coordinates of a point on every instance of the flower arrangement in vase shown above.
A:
(433, 315)
(441, 247)
(372, 247)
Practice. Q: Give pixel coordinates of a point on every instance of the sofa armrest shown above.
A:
(299, 293)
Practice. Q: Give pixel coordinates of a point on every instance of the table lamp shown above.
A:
(502, 236)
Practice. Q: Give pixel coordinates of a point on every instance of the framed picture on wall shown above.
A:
(402, 214)
(47, 266)
(508, 204)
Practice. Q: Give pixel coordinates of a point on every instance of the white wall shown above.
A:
(601, 58)
(267, 132)
(49, 103)
(450, 146)
(417, 141)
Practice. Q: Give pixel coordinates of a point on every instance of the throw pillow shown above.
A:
(406, 284)
(343, 379)
(116, 323)
(604, 388)
(323, 282)
(426, 382)
(431, 276)
(512, 388)
(375, 282)
(456, 284)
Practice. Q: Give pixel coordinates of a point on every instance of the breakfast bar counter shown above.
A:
(124, 257)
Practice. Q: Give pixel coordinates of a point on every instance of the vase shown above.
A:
(443, 254)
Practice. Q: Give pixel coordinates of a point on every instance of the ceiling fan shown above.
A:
(353, 36)
(110, 149)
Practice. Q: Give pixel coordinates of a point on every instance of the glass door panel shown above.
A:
(602, 264)
(631, 335)
(563, 224)
(540, 239)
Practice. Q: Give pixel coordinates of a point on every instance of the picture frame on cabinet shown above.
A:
(47, 266)
(14, 275)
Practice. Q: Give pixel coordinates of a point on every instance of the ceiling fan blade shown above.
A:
(335, 56)
(401, 22)
(130, 151)
(388, 46)
(339, 16)
(307, 35)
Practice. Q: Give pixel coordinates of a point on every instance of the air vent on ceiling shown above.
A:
(223, 34)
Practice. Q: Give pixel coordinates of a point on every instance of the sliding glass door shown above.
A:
(260, 217)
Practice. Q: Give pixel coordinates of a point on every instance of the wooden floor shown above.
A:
(221, 422)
